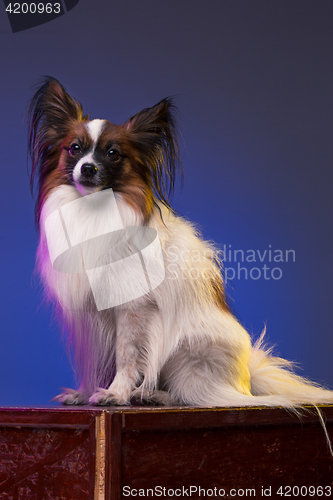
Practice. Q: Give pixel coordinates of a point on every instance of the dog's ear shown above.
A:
(52, 104)
(153, 134)
(50, 115)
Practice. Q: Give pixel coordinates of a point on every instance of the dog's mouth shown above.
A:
(87, 183)
(87, 187)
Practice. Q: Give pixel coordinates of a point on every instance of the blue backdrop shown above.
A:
(254, 87)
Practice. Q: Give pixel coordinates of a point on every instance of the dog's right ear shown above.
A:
(51, 113)
(51, 103)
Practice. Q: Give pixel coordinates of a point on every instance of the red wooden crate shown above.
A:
(109, 453)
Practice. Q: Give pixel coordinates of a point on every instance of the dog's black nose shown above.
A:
(88, 170)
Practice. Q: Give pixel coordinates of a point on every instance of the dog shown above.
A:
(175, 343)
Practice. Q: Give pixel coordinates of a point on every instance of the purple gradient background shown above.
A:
(254, 85)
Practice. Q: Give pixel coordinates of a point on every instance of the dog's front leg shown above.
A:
(130, 330)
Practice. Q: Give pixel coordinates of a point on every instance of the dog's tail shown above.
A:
(274, 376)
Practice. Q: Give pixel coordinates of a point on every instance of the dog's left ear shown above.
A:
(153, 134)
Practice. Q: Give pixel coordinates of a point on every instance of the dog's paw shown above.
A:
(70, 397)
(154, 397)
(107, 397)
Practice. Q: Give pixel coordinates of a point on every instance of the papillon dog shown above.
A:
(174, 343)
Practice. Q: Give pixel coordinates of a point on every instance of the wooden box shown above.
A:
(80, 453)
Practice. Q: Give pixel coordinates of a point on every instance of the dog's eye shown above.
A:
(75, 149)
(113, 154)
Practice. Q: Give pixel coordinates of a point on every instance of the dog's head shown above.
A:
(138, 159)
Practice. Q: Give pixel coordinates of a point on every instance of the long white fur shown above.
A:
(176, 338)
